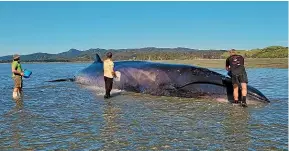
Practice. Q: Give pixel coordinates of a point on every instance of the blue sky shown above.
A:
(53, 27)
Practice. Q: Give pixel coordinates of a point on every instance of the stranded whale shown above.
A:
(163, 79)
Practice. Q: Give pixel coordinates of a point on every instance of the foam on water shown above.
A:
(101, 91)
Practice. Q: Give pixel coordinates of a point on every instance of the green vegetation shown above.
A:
(220, 63)
(268, 52)
(207, 54)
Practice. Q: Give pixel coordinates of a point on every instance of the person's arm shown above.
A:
(227, 64)
(14, 66)
(243, 61)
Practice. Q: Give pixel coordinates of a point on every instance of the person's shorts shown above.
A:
(238, 79)
(17, 81)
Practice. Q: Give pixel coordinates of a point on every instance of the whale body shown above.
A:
(163, 79)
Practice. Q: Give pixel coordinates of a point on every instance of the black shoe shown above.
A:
(106, 96)
(244, 103)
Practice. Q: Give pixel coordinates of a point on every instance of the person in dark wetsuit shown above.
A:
(237, 71)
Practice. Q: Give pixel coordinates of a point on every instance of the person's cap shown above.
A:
(15, 56)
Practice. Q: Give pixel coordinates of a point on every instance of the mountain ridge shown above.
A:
(148, 53)
(73, 53)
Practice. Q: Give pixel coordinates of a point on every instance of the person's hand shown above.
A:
(22, 74)
(114, 75)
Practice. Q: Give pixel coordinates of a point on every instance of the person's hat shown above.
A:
(15, 56)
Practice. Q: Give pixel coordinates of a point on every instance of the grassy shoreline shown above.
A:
(210, 63)
(220, 63)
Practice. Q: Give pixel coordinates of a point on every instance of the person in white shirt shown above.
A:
(109, 74)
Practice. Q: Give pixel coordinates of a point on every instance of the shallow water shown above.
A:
(67, 116)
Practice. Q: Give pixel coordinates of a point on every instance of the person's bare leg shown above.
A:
(15, 93)
(20, 92)
(236, 95)
(244, 93)
(20, 89)
(17, 88)
(244, 89)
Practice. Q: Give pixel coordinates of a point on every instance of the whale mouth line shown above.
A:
(200, 82)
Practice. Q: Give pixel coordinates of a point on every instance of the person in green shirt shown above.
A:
(17, 74)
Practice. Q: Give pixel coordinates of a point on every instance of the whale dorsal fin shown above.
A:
(97, 59)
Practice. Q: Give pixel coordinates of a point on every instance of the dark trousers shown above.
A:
(108, 85)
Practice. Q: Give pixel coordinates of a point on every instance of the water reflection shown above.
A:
(236, 128)
(110, 114)
(15, 124)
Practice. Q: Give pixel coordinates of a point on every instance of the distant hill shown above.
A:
(88, 55)
(268, 52)
(69, 54)
(149, 53)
